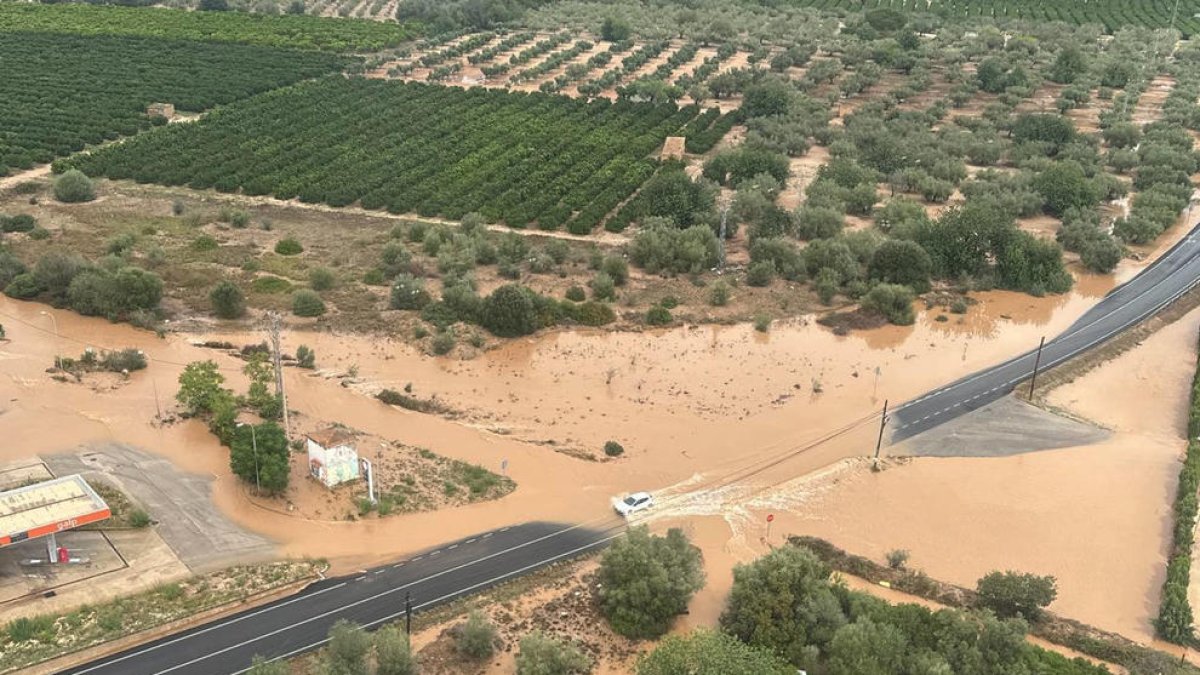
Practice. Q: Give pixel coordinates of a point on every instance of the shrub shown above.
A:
(616, 268)
(899, 261)
(893, 301)
(897, 558)
(543, 655)
(576, 293)
(762, 323)
(239, 219)
(761, 273)
(307, 303)
(443, 343)
(73, 187)
(646, 581)
(374, 277)
(718, 294)
(1101, 255)
(658, 316)
(10, 267)
(393, 652)
(603, 287)
(123, 360)
(306, 357)
(321, 278)
(18, 223)
(23, 287)
(613, 449)
(708, 652)
(288, 246)
(408, 292)
(510, 311)
(1012, 594)
(204, 243)
(659, 247)
(177, 207)
(227, 300)
(477, 637)
(139, 519)
(592, 313)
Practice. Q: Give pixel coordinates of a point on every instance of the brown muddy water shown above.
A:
(700, 410)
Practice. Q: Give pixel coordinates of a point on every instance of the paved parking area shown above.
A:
(179, 502)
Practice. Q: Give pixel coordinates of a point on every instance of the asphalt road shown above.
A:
(299, 623)
(1172, 275)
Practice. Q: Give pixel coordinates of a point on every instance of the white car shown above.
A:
(638, 501)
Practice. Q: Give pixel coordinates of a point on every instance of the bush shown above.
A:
(18, 223)
(10, 267)
(139, 519)
(576, 293)
(603, 287)
(23, 287)
(443, 343)
(321, 278)
(897, 558)
(408, 292)
(646, 581)
(761, 273)
(288, 246)
(510, 312)
(1012, 594)
(307, 303)
(658, 316)
(227, 300)
(762, 323)
(613, 449)
(707, 652)
(659, 247)
(718, 294)
(73, 187)
(306, 357)
(592, 313)
(543, 655)
(899, 261)
(123, 360)
(1101, 255)
(477, 637)
(616, 268)
(893, 301)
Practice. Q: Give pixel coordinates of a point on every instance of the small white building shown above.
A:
(332, 458)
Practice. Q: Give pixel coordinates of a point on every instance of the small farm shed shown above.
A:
(166, 110)
(332, 458)
(673, 147)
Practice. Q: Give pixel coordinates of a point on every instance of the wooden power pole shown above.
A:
(274, 331)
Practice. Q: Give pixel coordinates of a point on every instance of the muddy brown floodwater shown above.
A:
(699, 409)
(1095, 517)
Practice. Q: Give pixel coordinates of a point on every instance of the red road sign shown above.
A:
(770, 517)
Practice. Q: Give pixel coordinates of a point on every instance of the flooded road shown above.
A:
(700, 410)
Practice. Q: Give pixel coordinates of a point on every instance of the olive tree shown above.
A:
(648, 580)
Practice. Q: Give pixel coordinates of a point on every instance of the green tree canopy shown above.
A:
(648, 580)
(707, 652)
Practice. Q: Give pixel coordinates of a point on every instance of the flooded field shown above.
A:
(1094, 517)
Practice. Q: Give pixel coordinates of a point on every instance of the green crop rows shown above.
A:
(59, 93)
(1113, 14)
(412, 147)
(302, 32)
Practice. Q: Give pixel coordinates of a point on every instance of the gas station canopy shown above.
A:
(46, 508)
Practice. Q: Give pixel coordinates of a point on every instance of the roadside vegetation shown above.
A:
(1175, 622)
(30, 640)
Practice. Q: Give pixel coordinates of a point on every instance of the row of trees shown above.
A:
(102, 97)
(302, 32)
(515, 158)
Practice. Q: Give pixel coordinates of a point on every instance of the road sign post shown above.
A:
(883, 420)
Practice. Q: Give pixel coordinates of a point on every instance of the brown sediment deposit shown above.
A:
(1095, 517)
(682, 401)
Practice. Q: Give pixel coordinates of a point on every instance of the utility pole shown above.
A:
(274, 329)
(883, 420)
(407, 613)
(721, 237)
(1037, 362)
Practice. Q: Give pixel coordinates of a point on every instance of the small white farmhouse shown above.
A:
(332, 458)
